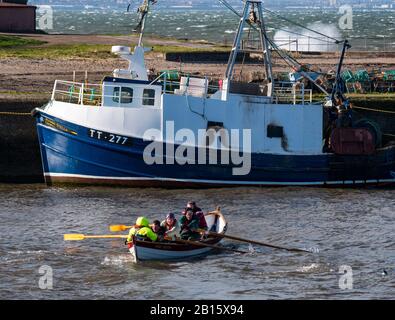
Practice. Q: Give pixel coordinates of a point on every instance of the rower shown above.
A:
(158, 229)
(192, 205)
(171, 225)
(142, 231)
(198, 214)
(189, 226)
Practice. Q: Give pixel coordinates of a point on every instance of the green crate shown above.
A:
(171, 75)
(348, 76)
(362, 76)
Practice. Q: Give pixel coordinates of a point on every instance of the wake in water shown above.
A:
(118, 260)
(314, 267)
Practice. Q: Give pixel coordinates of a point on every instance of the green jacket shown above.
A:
(144, 232)
(189, 225)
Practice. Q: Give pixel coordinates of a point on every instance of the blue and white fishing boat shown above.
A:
(136, 131)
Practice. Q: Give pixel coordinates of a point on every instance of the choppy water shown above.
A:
(349, 227)
(218, 24)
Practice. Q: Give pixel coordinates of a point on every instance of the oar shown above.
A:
(256, 242)
(202, 244)
(119, 227)
(77, 236)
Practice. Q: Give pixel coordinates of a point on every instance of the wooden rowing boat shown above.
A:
(147, 250)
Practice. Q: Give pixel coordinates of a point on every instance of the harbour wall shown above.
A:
(206, 57)
(20, 160)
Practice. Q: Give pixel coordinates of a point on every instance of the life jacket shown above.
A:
(146, 233)
(139, 235)
(132, 233)
(142, 233)
(141, 230)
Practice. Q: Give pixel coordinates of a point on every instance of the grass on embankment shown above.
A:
(57, 52)
(10, 42)
(17, 47)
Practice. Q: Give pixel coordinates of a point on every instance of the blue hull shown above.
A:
(71, 155)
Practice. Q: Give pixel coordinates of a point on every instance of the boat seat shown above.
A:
(195, 87)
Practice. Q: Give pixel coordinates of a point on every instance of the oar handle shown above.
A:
(112, 236)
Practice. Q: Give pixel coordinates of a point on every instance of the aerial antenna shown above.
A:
(143, 10)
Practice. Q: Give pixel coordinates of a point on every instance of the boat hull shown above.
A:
(142, 252)
(70, 155)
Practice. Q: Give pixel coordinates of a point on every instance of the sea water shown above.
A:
(347, 229)
(217, 24)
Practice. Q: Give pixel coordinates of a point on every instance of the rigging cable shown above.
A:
(285, 56)
(226, 4)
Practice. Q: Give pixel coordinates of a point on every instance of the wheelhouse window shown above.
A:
(149, 97)
(125, 93)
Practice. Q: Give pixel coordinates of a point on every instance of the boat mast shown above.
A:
(265, 45)
(249, 8)
(143, 10)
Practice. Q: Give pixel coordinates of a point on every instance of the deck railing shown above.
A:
(294, 93)
(77, 93)
(88, 94)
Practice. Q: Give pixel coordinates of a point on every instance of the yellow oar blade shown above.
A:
(119, 227)
(73, 237)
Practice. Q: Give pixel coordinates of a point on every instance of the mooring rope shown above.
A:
(11, 113)
(375, 110)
